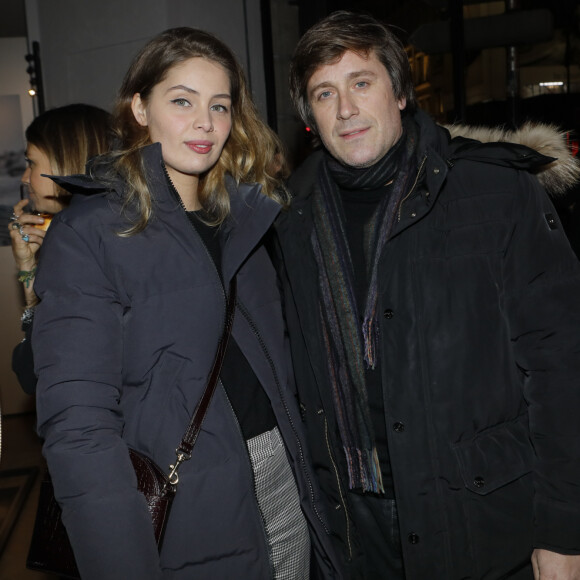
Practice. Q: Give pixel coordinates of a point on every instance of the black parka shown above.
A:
(480, 355)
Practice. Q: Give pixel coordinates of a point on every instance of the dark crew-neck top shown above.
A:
(245, 392)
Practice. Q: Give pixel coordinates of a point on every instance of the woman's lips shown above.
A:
(202, 147)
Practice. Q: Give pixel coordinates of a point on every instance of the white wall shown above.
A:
(14, 79)
(86, 47)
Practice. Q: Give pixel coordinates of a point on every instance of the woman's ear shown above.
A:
(139, 110)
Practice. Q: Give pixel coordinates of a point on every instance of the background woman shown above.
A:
(132, 287)
(58, 142)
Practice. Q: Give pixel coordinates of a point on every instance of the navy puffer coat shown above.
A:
(124, 338)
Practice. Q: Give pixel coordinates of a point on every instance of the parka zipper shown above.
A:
(256, 332)
(250, 467)
(221, 285)
(419, 171)
(346, 516)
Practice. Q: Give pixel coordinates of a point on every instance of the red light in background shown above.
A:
(573, 144)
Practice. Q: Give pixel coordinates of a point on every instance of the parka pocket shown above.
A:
(495, 457)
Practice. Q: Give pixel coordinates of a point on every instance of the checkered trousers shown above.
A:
(285, 525)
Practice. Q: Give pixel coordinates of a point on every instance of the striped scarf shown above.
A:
(348, 345)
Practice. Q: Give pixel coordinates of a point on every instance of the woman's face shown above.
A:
(189, 113)
(42, 191)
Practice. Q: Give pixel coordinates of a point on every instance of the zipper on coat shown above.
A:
(249, 320)
(419, 172)
(267, 542)
(340, 492)
(176, 194)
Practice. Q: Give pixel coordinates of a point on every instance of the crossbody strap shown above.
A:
(189, 438)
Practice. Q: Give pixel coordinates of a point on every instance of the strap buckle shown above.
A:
(173, 475)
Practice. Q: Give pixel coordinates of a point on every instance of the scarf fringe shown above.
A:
(367, 475)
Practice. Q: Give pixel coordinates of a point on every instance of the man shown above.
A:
(433, 307)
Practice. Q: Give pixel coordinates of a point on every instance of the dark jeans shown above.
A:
(377, 528)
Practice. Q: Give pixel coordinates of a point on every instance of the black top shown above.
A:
(245, 392)
(359, 207)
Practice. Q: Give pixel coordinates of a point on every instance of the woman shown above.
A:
(132, 306)
(58, 142)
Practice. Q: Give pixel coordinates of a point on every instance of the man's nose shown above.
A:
(346, 106)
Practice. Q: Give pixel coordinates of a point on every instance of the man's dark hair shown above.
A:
(329, 39)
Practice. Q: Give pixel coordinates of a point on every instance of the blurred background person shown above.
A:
(58, 142)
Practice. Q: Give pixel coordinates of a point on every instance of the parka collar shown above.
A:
(539, 149)
(536, 147)
(252, 212)
(431, 174)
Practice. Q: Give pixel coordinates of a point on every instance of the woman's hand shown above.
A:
(26, 239)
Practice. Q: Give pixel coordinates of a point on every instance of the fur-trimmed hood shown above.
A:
(558, 176)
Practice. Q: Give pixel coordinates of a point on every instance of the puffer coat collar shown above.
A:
(251, 213)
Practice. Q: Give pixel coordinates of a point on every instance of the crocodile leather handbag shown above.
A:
(50, 549)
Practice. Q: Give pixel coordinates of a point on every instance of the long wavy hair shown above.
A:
(69, 136)
(252, 153)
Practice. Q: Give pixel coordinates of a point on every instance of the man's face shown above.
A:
(355, 110)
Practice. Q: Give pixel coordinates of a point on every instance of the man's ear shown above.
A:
(402, 103)
(139, 110)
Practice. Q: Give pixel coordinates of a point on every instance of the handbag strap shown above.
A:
(189, 438)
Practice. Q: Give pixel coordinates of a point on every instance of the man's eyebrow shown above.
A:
(350, 76)
(361, 73)
(319, 86)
